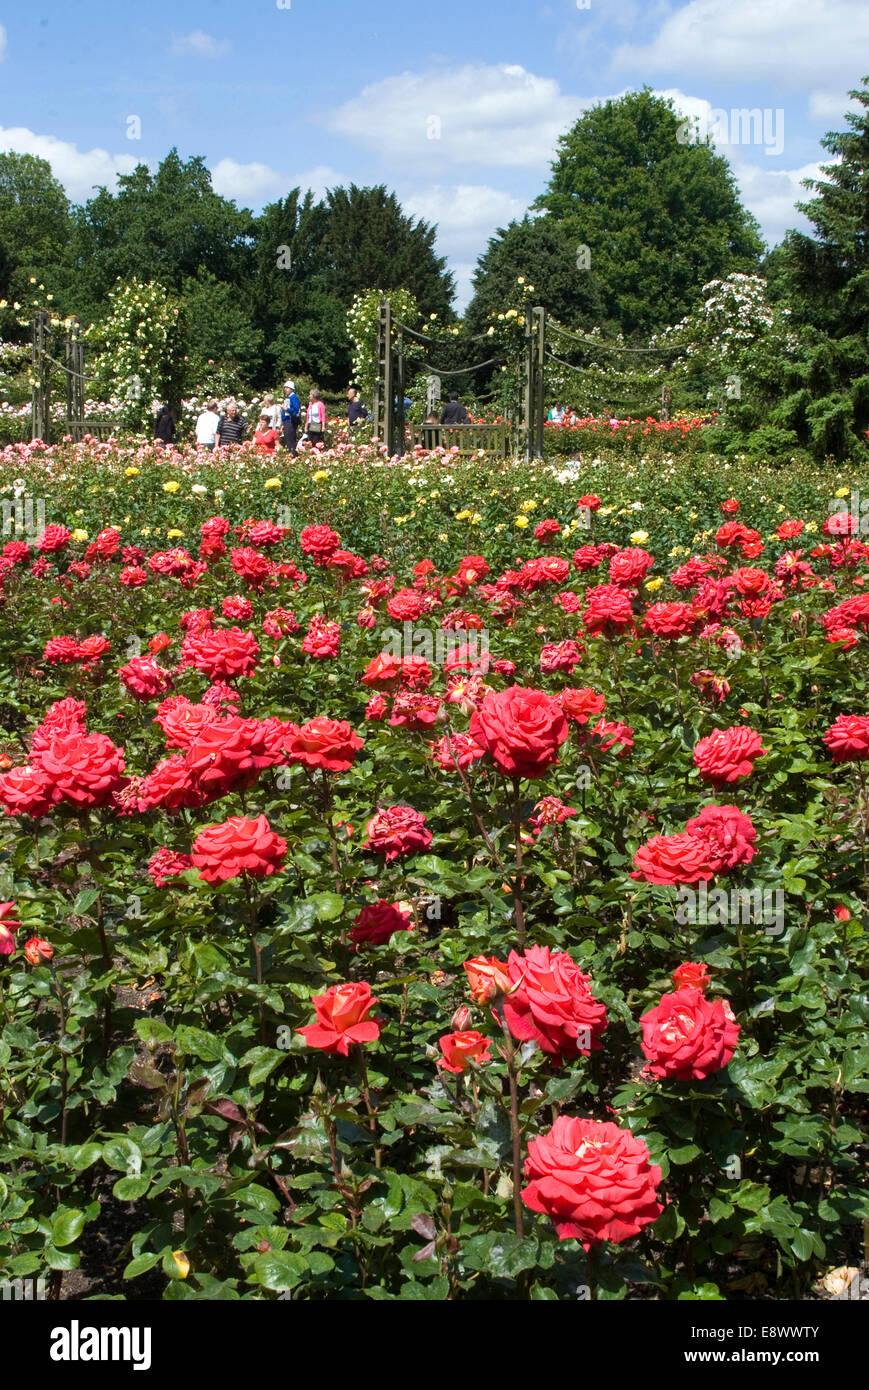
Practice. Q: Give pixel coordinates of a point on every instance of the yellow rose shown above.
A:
(131, 472)
(171, 487)
(529, 505)
(79, 535)
(639, 537)
(272, 482)
(321, 474)
(843, 492)
(520, 521)
(174, 534)
(653, 584)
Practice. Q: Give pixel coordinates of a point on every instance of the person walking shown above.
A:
(315, 420)
(164, 430)
(273, 411)
(454, 413)
(291, 416)
(265, 436)
(231, 428)
(206, 426)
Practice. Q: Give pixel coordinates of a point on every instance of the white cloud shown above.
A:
(466, 216)
(830, 107)
(771, 194)
(259, 183)
(80, 171)
(779, 42)
(198, 44)
(2, 43)
(498, 115)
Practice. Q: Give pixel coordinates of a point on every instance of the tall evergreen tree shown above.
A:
(542, 252)
(34, 225)
(826, 279)
(659, 212)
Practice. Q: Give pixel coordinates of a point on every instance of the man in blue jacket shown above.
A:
(291, 416)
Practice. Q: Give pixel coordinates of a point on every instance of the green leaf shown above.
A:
(67, 1225)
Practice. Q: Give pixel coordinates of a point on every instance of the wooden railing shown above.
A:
(470, 439)
(77, 429)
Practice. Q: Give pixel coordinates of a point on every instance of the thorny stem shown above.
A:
(518, 911)
(466, 786)
(509, 1055)
(257, 951)
(372, 1118)
(64, 1078)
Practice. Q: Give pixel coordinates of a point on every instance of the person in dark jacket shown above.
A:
(164, 430)
(454, 412)
(231, 428)
(356, 411)
(291, 416)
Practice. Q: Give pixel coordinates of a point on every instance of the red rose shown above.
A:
(166, 864)
(396, 831)
(319, 542)
(457, 751)
(551, 810)
(229, 754)
(544, 530)
(729, 836)
(133, 576)
(559, 656)
(630, 567)
(588, 557)
(85, 769)
(670, 620)
(376, 709)
(789, 530)
(472, 570)
(545, 569)
(25, 791)
(522, 729)
(182, 722)
(376, 923)
(671, 859)
(63, 717)
(687, 1037)
(322, 638)
(461, 1049)
(9, 925)
(730, 507)
(223, 654)
(279, 623)
(848, 738)
(590, 500)
(61, 651)
(690, 975)
(144, 678)
(93, 647)
(579, 704)
(594, 1181)
(326, 743)
(406, 606)
(236, 847)
(238, 608)
(553, 1004)
(251, 566)
(383, 672)
(38, 951)
(488, 978)
(53, 539)
(610, 610)
(265, 533)
(612, 735)
(727, 754)
(342, 1018)
(171, 787)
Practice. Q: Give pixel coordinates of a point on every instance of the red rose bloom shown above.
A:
(319, 542)
(376, 923)
(133, 576)
(522, 729)
(223, 654)
(587, 557)
(406, 606)
(9, 925)
(144, 678)
(630, 567)
(848, 738)
(729, 836)
(559, 656)
(545, 530)
(238, 608)
(730, 507)
(411, 709)
(182, 722)
(376, 709)
(473, 569)
(61, 651)
(552, 1004)
(687, 1037)
(228, 755)
(236, 847)
(593, 1180)
(251, 566)
(85, 769)
(670, 620)
(397, 831)
(789, 530)
(171, 787)
(671, 859)
(327, 743)
(38, 951)
(25, 791)
(727, 754)
(690, 975)
(280, 622)
(613, 735)
(342, 1015)
(461, 1049)
(383, 672)
(457, 751)
(580, 704)
(487, 978)
(92, 648)
(322, 638)
(610, 610)
(166, 864)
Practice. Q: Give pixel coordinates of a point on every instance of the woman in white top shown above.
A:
(315, 419)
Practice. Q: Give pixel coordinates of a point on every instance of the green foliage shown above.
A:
(140, 345)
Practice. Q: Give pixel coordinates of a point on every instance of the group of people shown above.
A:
(215, 428)
(563, 414)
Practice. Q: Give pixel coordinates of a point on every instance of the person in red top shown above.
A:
(265, 437)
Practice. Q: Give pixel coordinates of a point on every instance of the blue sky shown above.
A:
(456, 106)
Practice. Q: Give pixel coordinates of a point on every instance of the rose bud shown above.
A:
(488, 978)
(38, 951)
(460, 1019)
